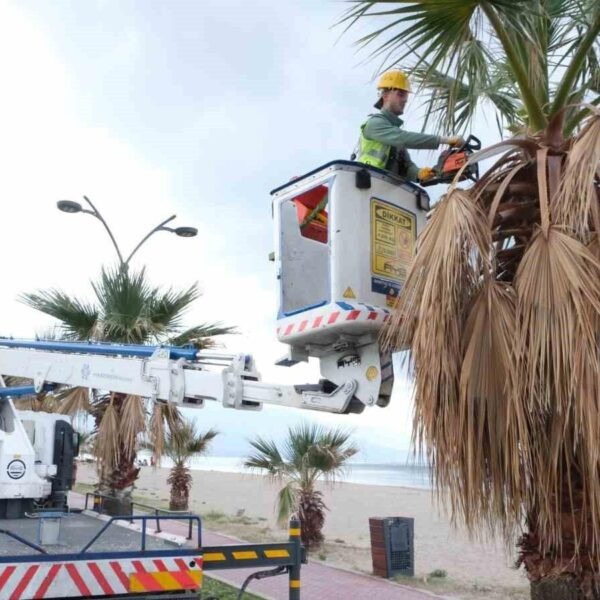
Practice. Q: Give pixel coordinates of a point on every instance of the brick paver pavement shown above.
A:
(319, 581)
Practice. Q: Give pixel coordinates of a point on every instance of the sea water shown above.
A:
(406, 474)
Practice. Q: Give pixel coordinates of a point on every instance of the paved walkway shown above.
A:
(319, 581)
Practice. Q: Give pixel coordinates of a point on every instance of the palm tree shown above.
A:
(127, 309)
(501, 309)
(309, 453)
(182, 442)
(86, 445)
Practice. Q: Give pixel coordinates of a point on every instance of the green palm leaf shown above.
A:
(124, 298)
(308, 453)
(184, 441)
(550, 49)
(287, 502)
(128, 309)
(267, 457)
(79, 320)
(166, 309)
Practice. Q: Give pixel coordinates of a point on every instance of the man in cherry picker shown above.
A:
(384, 144)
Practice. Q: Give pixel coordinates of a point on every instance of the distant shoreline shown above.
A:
(414, 476)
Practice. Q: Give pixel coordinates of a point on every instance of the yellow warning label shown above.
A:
(349, 293)
(393, 238)
(372, 373)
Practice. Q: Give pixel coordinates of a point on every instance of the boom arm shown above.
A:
(180, 375)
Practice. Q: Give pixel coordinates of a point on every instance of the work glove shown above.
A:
(425, 173)
(453, 140)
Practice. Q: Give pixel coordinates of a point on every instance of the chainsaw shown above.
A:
(452, 160)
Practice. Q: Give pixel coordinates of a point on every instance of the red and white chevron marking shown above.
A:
(85, 578)
(337, 316)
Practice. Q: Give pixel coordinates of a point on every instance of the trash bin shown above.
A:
(49, 528)
(392, 546)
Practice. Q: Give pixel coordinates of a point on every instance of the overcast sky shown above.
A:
(192, 107)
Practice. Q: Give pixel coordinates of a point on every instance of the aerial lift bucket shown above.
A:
(345, 237)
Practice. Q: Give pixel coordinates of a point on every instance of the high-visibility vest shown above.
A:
(371, 152)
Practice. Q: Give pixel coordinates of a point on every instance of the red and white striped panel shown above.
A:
(74, 579)
(303, 324)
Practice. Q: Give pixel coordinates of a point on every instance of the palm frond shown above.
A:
(107, 439)
(157, 431)
(578, 192)
(485, 476)
(78, 319)
(300, 441)
(329, 454)
(201, 442)
(87, 439)
(74, 400)
(167, 308)
(171, 415)
(580, 65)
(200, 336)
(133, 423)
(184, 440)
(267, 457)
(452, 250)
(453, 36)
(287, 503)
(124, 298)
(558, 311)
(452, 102)
(310, 452)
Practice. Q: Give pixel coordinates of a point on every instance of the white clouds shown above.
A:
(198, 110)
(49, 154)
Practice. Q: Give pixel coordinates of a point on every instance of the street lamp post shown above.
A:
(71, 207)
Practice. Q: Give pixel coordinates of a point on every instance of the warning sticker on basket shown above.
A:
(393, 239)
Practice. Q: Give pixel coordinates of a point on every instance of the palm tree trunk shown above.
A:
(563, 574)
(559, 589)
(180, 481)
(179, 500)
(311, 511)
(119, 482)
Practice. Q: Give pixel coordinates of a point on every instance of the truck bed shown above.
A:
(76, 530)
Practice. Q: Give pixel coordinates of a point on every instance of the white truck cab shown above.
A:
(36, 457)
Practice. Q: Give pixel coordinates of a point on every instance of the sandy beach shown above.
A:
(243, 505)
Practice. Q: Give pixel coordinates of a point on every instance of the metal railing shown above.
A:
(144, 519)
(171, 514)
(279, 557)
(22, 540)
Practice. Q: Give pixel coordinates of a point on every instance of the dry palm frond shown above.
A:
(573, 205)
(107, 439)
(42, 402)
(497, 174)
(450, 254)
(157, 431)
(558, 289)
(594, 246)
(451, 258)
(172, 416)
(74, 400)
(133, 422)
(491, 431)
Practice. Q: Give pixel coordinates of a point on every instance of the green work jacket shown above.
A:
(383, 131)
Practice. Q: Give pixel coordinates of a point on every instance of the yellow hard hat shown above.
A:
(397, 80)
